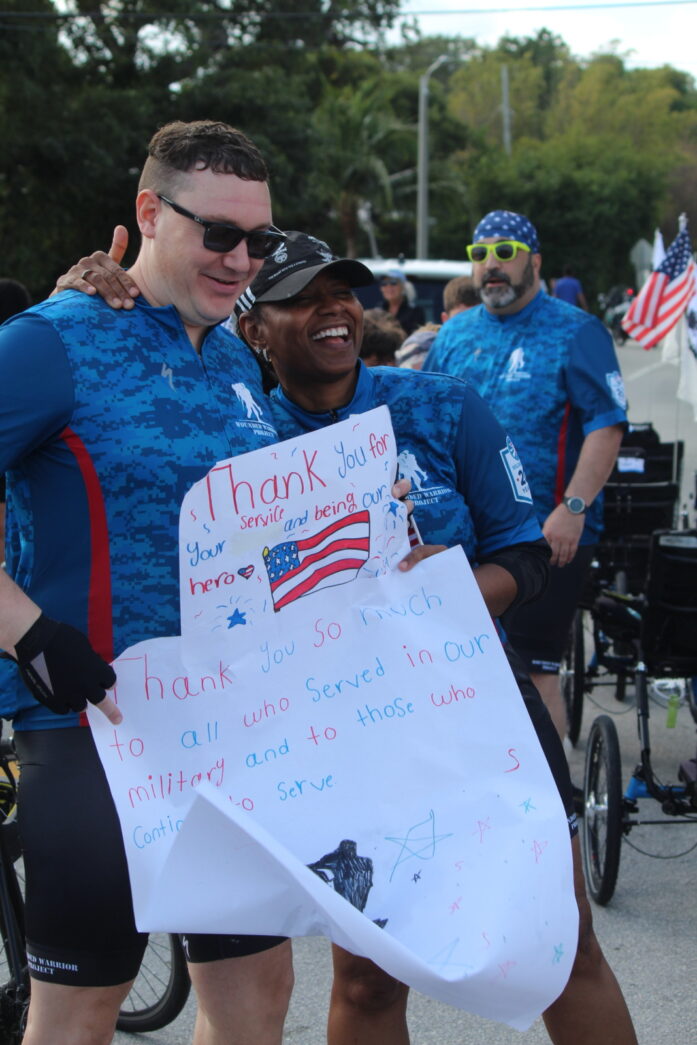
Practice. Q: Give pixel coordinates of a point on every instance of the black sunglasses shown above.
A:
(222, 238)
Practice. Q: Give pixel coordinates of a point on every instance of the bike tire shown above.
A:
(602, 819)
(573, 676)
(14, 976)
(161, 989)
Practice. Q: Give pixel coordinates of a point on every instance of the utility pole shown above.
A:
(422, 160)
(505, 111)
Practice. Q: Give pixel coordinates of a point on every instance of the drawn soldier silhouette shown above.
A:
(350, 874)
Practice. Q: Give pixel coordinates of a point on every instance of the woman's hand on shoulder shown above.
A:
(101, 273)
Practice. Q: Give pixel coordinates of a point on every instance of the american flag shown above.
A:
(332, 556)
(665, 295)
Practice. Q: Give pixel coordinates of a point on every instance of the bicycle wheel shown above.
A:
(14, 977)
(161, 988)
(572, 674)
(602, 821)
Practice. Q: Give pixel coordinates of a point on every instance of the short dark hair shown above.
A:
(14, 298)
(459, 291)
(382, 335)
(179, 147)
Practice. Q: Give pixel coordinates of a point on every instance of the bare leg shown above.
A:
(591, 1008)
(368, 1006)
(243, 1001)
(550, 691)
(61, 1015)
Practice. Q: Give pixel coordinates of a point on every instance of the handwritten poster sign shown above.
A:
(334, 746)
(270, 527)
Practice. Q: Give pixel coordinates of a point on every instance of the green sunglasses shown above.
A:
(504, 250)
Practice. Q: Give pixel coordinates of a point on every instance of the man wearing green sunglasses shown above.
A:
(550, 373)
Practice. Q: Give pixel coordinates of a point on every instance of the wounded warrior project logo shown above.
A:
(515, 371)
(515, 473)
(410, 468)
(616, 386)
(246, 398)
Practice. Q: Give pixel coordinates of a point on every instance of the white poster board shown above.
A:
(324, 710)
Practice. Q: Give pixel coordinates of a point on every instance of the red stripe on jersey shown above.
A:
(560, 479)
(100, 629)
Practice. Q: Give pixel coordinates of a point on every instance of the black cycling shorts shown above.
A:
(79, 915)
(539, 630)
(546, 734)
(206, 947)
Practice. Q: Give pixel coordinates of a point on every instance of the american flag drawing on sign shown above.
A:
(665, 295)
(332, 556)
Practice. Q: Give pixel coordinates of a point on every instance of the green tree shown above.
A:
(362, 149)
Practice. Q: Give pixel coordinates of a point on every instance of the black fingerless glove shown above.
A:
(60, 668)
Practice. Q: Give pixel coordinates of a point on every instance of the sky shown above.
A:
(646, 35)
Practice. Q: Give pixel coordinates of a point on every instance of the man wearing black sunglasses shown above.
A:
(106, 420)
(551, 376)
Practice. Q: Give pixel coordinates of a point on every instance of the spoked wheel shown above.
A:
(160, 989)
(602, 820)
(572, 674)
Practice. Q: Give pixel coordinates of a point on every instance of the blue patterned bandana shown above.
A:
(506, 224)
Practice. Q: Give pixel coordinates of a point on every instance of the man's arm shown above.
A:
(17, 613)
(596, 460)
(57, 664)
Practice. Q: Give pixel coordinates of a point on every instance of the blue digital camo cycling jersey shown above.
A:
(467, 484)
(551, 376)
(106, 419)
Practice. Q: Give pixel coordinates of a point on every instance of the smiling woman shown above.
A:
(301, 314)
(312, 334)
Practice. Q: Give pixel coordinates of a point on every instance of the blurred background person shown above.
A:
(382, 336)
(568, 288)
(458, 295)
(415, 348)
(398, 300)
(14, 298)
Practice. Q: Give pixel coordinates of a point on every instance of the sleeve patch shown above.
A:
(516, 473)
(616, 386)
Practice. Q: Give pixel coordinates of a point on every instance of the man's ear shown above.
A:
(148, 208)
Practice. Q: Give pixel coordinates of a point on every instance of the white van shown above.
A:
(427, 277)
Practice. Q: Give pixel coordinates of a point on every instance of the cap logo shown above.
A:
(281, 253)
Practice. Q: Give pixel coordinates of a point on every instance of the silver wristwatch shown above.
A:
(575, 504)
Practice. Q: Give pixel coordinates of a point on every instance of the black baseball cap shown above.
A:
(295, 263)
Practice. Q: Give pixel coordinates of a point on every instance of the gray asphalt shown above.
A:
(649, 929)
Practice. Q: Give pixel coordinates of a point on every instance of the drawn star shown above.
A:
(236, 618)
(538, 849)
(527, 805)
(393, 507)
(558, 954)
(421, 844)
(482, 827)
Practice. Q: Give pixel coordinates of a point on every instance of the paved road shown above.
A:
(649, 930)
